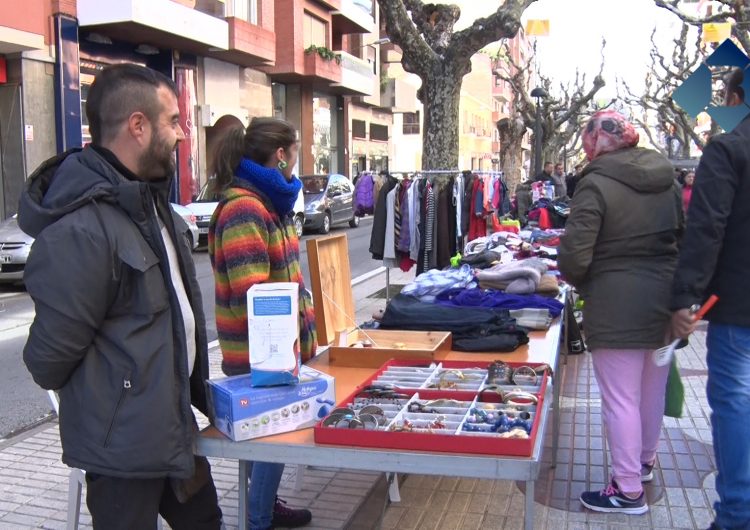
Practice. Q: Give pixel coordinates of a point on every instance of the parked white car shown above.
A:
(205, 204)
(15, 245)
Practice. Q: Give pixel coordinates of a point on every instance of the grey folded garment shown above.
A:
(532, 318)
(518, 277)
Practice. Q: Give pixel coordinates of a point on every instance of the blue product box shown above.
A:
(244, 412)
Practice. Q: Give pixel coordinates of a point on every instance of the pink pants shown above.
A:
(632, 389)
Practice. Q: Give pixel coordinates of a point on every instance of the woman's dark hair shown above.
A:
(258, 142)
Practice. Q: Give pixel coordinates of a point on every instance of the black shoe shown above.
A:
(286, 517)
(612, 500)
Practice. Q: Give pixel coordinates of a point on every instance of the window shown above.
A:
(246, 10)
(378, 132)
(359, 129)
(411, 122)
(315, 31)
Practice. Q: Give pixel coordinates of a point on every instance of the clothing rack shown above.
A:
(415, 174)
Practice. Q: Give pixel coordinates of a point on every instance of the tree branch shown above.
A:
(502, 24)
(403, 33)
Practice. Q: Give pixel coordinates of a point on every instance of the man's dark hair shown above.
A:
(578, 166)
(548, 164)
(734, 82)
(117, 92)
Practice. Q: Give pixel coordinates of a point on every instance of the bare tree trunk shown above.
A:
(512, 167)
(440, 141)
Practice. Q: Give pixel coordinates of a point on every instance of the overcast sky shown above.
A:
(576, 30)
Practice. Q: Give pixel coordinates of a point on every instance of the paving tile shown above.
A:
(681, 518)
(459, 502)
(676, 497)
(411, 518)
(471, 521)
(450, 521)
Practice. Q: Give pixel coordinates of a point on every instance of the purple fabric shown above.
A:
(364, 194)
(498, 300)
(404, 240)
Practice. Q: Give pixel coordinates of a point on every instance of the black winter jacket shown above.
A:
(108, 331)
(715, 249)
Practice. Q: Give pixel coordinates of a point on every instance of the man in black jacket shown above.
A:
(714, 260)
(119, 330)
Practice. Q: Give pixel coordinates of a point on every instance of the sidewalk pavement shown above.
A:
(33, 481)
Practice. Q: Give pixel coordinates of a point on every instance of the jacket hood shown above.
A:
(65, 183)
(643, 170)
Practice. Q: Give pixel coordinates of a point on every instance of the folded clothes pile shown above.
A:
(498, 300)
(518, 277)
(431, 283)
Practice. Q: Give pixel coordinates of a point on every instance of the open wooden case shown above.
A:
(335, 316)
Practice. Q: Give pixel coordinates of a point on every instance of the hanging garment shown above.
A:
(446, 225)
(429, 227)
(458, 204)
(377, 236)
(404, 239)
(414, 199)
(364, 195)
(389, 252)
(478, 224)
(432, 258)
(467, 202)
(397, 215)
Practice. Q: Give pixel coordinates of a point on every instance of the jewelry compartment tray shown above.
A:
(450, 420)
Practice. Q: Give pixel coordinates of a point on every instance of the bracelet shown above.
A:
(520, 398)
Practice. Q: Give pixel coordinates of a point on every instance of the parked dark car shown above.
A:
(329, 201)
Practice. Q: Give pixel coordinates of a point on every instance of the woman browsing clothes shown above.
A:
(252, 240)
(620, 251)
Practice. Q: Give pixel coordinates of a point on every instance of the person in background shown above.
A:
(687, 190)
(572, 180)
(713, 261)
(119, 329)
(558, 179)
(620, 251)
(546, 174)
(251, 240)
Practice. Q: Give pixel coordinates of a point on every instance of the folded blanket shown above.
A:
(548, 285)
(518, 277)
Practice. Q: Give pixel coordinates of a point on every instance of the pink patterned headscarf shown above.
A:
(608, 131)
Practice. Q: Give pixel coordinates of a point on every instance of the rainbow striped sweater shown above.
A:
(249, 244)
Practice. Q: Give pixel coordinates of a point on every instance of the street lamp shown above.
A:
(538, 93)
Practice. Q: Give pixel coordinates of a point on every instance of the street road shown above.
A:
(23, 403)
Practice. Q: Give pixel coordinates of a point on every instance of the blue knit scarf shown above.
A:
(282, 192)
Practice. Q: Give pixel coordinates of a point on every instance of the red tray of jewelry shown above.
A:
(452, 406)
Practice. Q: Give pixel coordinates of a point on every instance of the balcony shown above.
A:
(355, 16)
(23, 29)
(357, 77)
(321, 69)
(162, 23)
(249, 45)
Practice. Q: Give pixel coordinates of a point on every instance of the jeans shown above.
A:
(728, 393)
(633, 390)
(261, 495)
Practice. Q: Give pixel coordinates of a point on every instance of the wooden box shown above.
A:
(335, 316)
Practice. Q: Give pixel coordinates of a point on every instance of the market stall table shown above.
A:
(300, 448)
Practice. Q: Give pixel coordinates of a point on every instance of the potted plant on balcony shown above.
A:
(324, 53)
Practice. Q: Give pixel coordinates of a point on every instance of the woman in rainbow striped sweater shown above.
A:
(251, 239)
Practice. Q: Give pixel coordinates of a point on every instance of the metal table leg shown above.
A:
(528, 519)
(242, 495)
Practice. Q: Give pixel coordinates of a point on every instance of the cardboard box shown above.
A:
(243, 412)
(273, 332)
(330, 278)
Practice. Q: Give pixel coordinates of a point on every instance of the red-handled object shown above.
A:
(705, 308)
